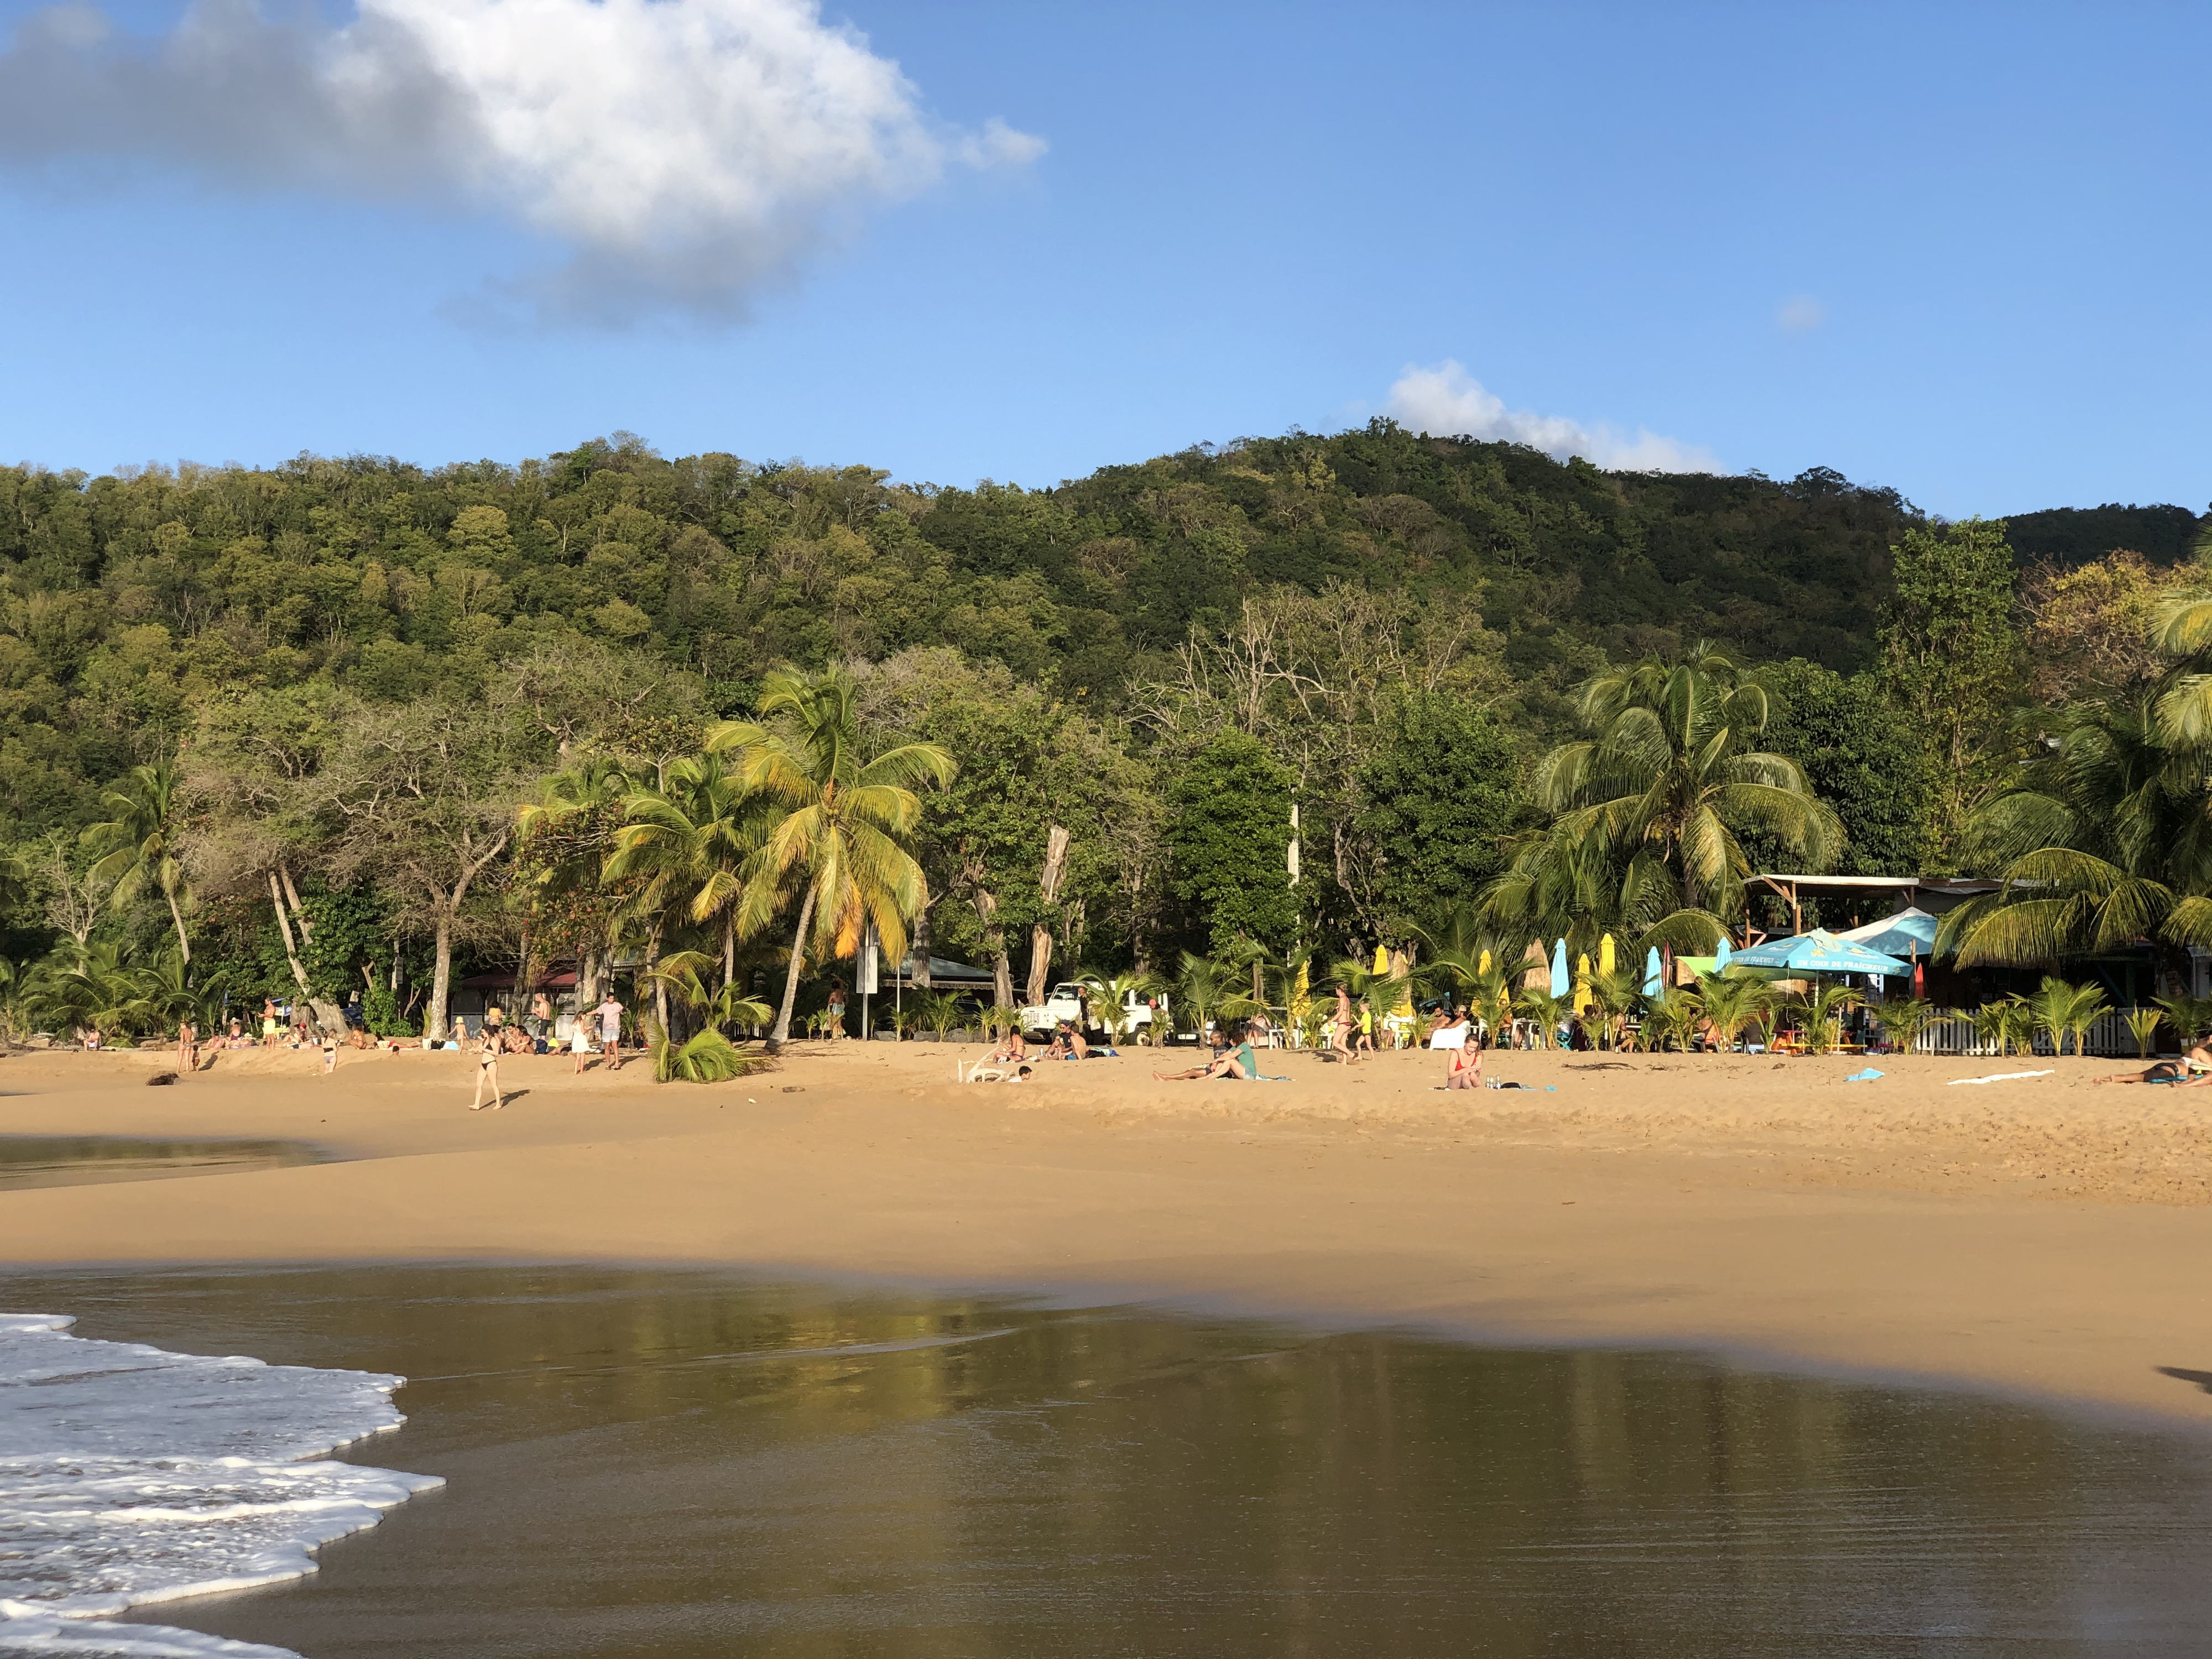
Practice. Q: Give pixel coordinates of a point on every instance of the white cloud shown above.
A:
(1449, 401)
(1800, 314)
(684, 151)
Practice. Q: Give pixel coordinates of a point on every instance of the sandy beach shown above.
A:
(2040, 1236)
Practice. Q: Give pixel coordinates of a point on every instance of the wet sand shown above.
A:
(2042, 1237)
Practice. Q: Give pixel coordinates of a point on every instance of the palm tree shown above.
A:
(1669, 776)
(839, 842)
(2142, 1026)
(1109, 999)
(1543, 1010)
(2102, 840)
(138, 844)
(690, 840)
(1902, 1019)
(1824, 1012)
(2063, 1010)
(1206, 989)
(563, 840)
(1994, 1023)
(1674, 1016)
(1730, 1002)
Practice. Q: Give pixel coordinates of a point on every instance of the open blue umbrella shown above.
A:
(1907, 933)
(1651, 971)
(1559, 980)
(1819, 952)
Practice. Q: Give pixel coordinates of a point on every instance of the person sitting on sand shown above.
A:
(2192, 1071)
(1239, 1065)
(237, 1038)
(1465, 1067)
(1069, 1044)
(487, 1049)
(1010, 1049)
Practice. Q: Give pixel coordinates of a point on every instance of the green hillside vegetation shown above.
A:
(282, 724)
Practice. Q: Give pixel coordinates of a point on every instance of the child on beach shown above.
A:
(1366, 1043)
(579, 1044)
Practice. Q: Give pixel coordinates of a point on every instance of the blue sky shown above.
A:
(1958, 250)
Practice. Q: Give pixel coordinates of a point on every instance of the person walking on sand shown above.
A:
(188, 1048)
(487, 1075)
(1339, 1031)
(1366, 1044)
(610, 1013)
(836, 1009)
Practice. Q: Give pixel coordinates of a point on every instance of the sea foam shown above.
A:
(130, 1474)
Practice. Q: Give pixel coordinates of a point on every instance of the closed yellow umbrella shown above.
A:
(1583, 998)
(1382, 961)
(1604, 954)
(1401, 969)
(1483, 966)
(1300, 1000)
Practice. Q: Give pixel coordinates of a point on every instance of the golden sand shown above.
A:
(2042, 1237)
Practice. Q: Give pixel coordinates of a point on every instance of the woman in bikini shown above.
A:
(2192, 1071)
(486, 1048)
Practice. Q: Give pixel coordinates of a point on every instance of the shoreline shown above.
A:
(1691, 1203)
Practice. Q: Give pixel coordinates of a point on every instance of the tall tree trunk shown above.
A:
(177, 917)
(441, 978)
(299, 910)
(659, 986)
(921, 946)
(781, 1034)
(1002, 971)
(1056, 868)
(729, 950)
(291, 949)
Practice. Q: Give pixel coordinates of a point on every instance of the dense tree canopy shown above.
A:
(349, 724)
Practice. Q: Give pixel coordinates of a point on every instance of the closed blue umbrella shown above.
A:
(1560, 980)
(1721, 957)
(1651, 972)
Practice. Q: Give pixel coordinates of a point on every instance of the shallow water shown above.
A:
(80, 1160)
(656, 1465)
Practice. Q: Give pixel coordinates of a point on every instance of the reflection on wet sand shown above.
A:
(656, 1465)
(82, 1160)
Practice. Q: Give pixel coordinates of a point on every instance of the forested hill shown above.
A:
(132, 599)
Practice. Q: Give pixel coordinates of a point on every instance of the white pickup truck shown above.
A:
(1065, 1002)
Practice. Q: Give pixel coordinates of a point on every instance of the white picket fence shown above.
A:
(1953, 1034)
